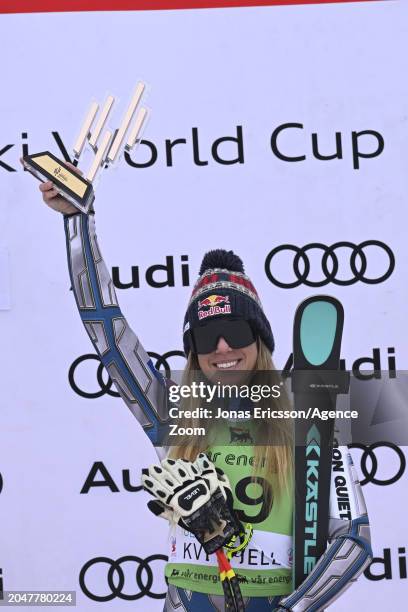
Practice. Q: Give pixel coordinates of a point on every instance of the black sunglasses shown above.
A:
(237, 333)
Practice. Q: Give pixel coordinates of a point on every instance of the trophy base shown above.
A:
(46, 167)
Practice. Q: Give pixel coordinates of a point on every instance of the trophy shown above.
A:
(77, 189)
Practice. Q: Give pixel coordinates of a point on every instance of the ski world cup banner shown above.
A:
(275, 129)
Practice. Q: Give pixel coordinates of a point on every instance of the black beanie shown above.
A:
(224, 290)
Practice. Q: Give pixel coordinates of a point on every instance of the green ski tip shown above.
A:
(318, 331)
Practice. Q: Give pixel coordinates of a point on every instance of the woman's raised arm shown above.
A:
(131, 369)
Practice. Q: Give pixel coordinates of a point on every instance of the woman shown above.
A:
(225, 332)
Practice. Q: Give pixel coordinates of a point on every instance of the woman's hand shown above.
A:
(53, 199)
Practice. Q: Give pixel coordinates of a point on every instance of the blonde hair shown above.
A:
(274, 443)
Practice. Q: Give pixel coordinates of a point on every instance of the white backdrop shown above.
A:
(333, 68)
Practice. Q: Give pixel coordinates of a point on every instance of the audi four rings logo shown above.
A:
(330, 264)
(161, 361)
(369, 463)
(142, 579)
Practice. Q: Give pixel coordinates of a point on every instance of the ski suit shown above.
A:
(264, 568)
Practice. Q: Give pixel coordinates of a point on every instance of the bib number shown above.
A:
(262, 500)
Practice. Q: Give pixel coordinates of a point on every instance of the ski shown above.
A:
(316, 381)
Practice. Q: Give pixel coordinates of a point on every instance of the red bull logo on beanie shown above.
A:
(213, 305)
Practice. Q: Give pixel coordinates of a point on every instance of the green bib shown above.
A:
(264, 567)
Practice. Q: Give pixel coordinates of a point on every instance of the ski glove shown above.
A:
(194, 495)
